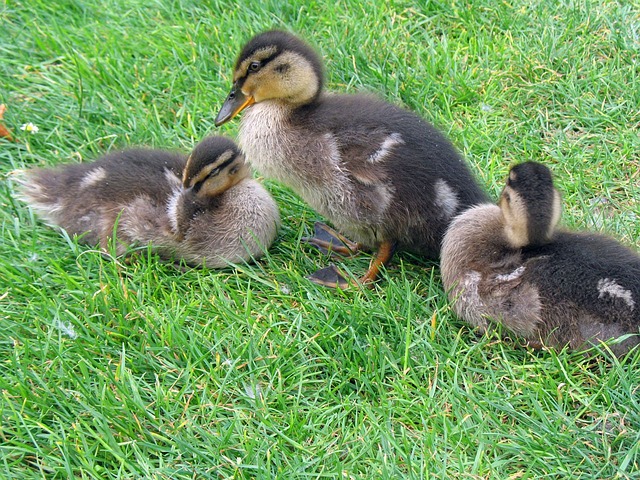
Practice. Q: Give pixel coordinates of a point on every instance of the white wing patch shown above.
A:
(93, 177)
(446, 198)
(507, 277)
(607, 286)
(388, 144)
(172, 178)
(173, 204)
(470, 293)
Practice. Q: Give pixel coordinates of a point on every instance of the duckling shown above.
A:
(510, 264)
(382, 175)
(205, 210)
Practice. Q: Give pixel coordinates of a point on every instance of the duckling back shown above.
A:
(86, 199)
(378, 172)
(140, 194)
(572, 289)
(590, 289)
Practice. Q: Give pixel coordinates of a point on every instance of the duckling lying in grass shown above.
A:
(382, 175)
(205, 210)
(509, 264)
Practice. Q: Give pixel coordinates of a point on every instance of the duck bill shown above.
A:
(233, 105)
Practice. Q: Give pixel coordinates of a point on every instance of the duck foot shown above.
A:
(328, 241)
(329, 277)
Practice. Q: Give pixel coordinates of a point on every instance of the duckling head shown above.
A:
(274, 66)
(215, 165)
(530, 205)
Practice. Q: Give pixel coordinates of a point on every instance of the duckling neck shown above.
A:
(281, 150)
(184, 205)
(264, 138)
(478, 237)
(306, 160)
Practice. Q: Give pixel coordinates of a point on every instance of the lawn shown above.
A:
(134, 369)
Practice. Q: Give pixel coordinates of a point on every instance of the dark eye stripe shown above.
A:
(213, 173)
(223, 165)
(262, 63)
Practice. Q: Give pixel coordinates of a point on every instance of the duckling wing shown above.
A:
(501, 284)
(364, 153)
(590, 273)
(89, 197)
(363, 158)
(143, 221)
(130, 173)
(512, 301)
(365, 130)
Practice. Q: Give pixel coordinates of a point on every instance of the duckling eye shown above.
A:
(254, 66)
(507, 197)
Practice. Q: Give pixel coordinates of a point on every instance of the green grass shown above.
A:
(114, 369)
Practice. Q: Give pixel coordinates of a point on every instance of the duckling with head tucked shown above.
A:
(382, 175)
(205, 210)
(508, 264)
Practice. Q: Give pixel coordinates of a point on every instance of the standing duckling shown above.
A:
(508, 264)
(381, 174)
(205, 210)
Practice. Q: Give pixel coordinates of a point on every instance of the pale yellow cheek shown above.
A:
(515, 222)
(557, 211)
(249, 88)
(271, 88)
(296, 85)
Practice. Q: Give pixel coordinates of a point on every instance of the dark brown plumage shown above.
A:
(204, 210)
(382, 175)
(510, 265)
